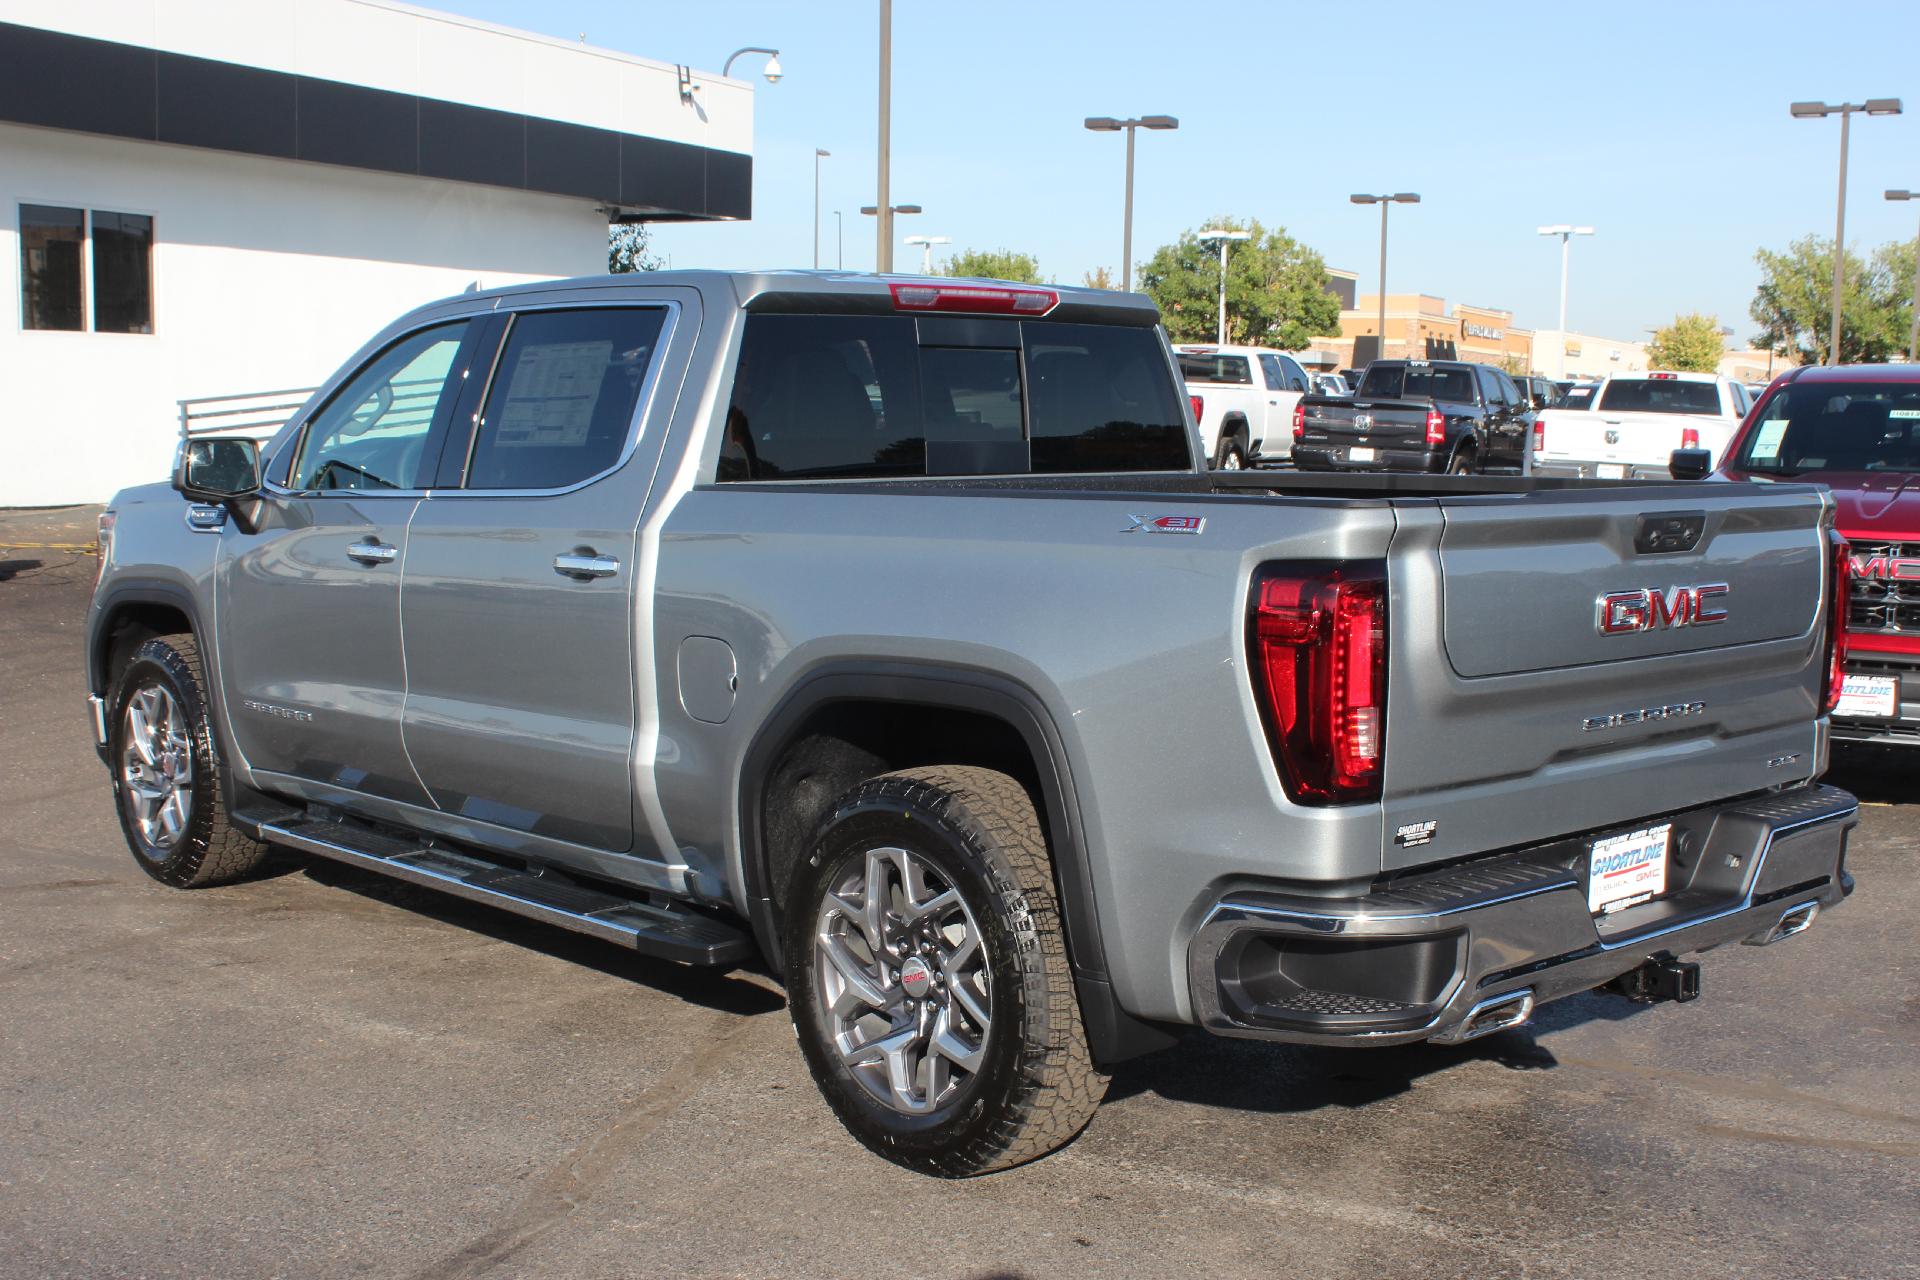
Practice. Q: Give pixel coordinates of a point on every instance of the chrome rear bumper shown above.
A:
(1460, 952)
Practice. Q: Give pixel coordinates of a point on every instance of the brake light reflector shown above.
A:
(1198, 404)
(1299, 419)
(1662, 377)
(1319, 663)
(1689, 437)
(1539, 436)
(978, 298)
(1838, 599)
(1436, 427)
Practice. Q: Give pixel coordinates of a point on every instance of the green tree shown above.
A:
(628, 249)
(1794, 303)
(1276, 288)
(994, 264)
(1691, 344)
(1099, 278)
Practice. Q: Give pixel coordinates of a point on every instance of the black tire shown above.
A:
(1463, 462)
(1231, 455)
(1035, 1086)
(206, 848)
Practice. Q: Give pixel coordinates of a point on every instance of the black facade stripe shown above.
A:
(59, 81)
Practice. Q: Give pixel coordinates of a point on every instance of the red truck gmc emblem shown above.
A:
(1622, 612)
(1886, 568)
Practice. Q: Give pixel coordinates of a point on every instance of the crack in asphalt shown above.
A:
(571, 1183)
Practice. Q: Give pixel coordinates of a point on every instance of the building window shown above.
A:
(50, 244)
(122, 272)
(64, 251)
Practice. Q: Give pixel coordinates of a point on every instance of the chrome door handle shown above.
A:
(582, 567)
(372, 552)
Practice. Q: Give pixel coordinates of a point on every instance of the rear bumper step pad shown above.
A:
(651, 928)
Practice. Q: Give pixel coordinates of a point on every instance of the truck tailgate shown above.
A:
(1643, 439)
(1512, 717)
(1373, 421)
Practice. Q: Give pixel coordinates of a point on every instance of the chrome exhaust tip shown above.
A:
(1793, 920)
(1497, 1013)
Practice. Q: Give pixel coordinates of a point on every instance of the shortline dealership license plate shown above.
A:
(1360, 453)
(1877, 696)
(1612, 470)
(1626, 870)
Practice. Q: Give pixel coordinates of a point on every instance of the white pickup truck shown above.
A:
(1243, 401)
(1636, 422)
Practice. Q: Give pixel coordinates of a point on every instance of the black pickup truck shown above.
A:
(1416, 415)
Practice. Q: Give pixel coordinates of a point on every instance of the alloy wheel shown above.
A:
(901, 980)
(156, 767)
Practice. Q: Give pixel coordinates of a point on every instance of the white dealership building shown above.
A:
(209, 197)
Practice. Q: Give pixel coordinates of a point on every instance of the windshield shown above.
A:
(1660, 395)
(1233, 370)
(1407, 382)
(1855, 426)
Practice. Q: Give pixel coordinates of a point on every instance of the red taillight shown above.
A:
(1299, 419)
(1689, 437)
(1319, 642)
(1539, 436)
(975, 298)
(1661, 377)
(1837, 601)
(1198, 404)
(1436, 427)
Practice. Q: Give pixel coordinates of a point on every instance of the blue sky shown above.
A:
(1666, 129)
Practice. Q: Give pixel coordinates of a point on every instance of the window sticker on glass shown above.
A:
(1766, 442)
(552, 396)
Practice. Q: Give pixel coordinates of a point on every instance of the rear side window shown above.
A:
(564, 395)
(1660, 395)
(1270, 370)
(855, 397)
(1399, 381)
(1200, 366)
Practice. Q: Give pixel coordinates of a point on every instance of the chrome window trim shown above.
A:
(642, 406)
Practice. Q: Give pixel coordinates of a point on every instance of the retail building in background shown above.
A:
(208, 197)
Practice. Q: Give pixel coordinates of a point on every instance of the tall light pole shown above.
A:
(926, 244)
(1108, 124)
(873, 211)
(1225, 237)
(818, 152)
(1845, 110)
(1913, 334)
(883, 250)
(1383, 200)
(1566, 234)
(840, 240)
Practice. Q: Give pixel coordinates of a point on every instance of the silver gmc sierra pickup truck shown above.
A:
(893, 631)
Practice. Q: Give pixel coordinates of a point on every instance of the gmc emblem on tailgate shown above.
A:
(1622, 612)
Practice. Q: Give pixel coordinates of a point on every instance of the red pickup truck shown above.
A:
(1856, 429)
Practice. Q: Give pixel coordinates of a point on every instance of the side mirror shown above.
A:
(217, 471)
(1690, 464)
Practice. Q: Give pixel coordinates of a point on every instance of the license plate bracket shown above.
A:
(1628, 869)
(1869, 697)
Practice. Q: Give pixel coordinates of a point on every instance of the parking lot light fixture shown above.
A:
(1846, 111)
(818, 153)
(885, 263)
(1913, 332)
(1225, 237)
(1566, 232)
(1398, 197)
(1111, 124)
(926, 244)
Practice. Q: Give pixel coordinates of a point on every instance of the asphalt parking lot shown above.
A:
(321, 1073)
